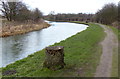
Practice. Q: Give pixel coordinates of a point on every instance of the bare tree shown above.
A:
(108, 14)
(14, 10)
(119, 11)
(9, 9)
(37, 15)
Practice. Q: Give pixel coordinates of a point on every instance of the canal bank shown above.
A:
(17, 28)
(82, 54)
(20, 46)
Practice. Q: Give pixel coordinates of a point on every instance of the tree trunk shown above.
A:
(54, 58)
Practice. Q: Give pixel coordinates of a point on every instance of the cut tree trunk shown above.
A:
(54, 57)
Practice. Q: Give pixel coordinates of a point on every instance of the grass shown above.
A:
(0, 73)
(82, 55)
(115, 61)
(118, 51)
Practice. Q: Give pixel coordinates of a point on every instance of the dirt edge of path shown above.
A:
(108, 45)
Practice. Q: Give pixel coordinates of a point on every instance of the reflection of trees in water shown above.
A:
(11, 48)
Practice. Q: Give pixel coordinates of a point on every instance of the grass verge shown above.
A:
(82, 54)
(0, 73)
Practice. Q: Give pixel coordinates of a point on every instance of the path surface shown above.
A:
(108, 44)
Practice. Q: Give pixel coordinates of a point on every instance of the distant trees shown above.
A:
(18, 11)
(119, 12)
(11, 10)
(69, 17)
(108, 14)
(8, 9)
(37, 15)
(50, 16)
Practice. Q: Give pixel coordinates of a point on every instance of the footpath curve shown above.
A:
(108, 45)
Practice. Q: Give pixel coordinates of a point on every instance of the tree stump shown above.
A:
(54, 57)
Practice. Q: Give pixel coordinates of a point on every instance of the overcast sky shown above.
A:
(68, 6)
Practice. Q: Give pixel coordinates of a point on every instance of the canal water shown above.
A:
(17, 47)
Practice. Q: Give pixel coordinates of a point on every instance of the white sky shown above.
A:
(68, 6)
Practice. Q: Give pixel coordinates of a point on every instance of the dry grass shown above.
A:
(116, 24)
(14, 28)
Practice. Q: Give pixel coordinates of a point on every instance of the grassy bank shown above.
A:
(82, 54)
(15, 28)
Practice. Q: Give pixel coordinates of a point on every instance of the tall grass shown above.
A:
(15, 28)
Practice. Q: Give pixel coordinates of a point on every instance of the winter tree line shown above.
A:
(109, 14)
(18, 11)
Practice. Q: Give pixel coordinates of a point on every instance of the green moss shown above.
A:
(82, 54)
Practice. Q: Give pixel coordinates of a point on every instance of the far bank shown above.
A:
(16, 28)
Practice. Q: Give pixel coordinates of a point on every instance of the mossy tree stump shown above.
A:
(54, 57)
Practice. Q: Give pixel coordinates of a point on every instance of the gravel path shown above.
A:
(108, 44)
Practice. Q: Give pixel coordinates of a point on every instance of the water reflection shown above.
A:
(20, 46)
